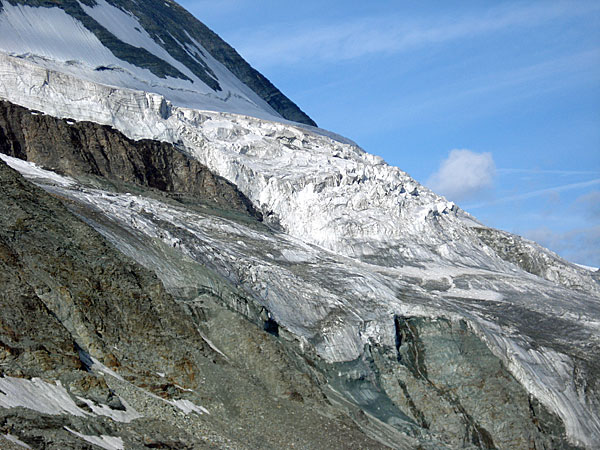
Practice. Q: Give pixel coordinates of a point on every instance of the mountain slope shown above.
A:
(157, 46)
(122, 363)
(362, 296)
(338, 317)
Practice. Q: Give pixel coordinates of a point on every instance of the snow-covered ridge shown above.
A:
(53, 39)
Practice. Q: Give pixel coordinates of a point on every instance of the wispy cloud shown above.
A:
(349, 39)
(579, 245)
(463, 174)
(589, 205)
(547, 172)
(538, 78)
(536, 193)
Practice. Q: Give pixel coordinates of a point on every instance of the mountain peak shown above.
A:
(153, 45)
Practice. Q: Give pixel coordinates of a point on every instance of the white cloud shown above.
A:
(463, 174)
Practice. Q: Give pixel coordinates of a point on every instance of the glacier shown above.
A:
(359, 242)
(350, 243)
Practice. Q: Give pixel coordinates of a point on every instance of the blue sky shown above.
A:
(494, 104)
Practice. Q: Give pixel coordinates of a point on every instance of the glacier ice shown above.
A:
(360, 241)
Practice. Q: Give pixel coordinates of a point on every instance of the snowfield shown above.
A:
(57, 41)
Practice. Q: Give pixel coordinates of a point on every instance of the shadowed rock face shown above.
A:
(86, 148)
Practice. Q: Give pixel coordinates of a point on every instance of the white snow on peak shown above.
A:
(128, 29)
(51, 38)
(590, 268)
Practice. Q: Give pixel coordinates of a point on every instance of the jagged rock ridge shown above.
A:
(86, 148)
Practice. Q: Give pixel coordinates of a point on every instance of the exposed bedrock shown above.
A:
(122, 361)
(83, 149)
(64, 272)
(532, 258)
(446, 379)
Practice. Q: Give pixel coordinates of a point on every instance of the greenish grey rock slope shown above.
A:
(150, 353)
(68, 296)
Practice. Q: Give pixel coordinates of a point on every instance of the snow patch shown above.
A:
(104, 441)
(15, 440)
(126, 416)
(34, 172)
(188, 407)
(38, 395)
(98, 366)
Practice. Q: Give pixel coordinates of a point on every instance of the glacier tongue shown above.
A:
(365, 242)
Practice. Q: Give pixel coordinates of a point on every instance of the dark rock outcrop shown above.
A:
(86, 148)
(62, 270)
(445, 377)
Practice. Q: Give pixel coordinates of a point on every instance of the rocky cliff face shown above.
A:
(94, 352)
(86, 149)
